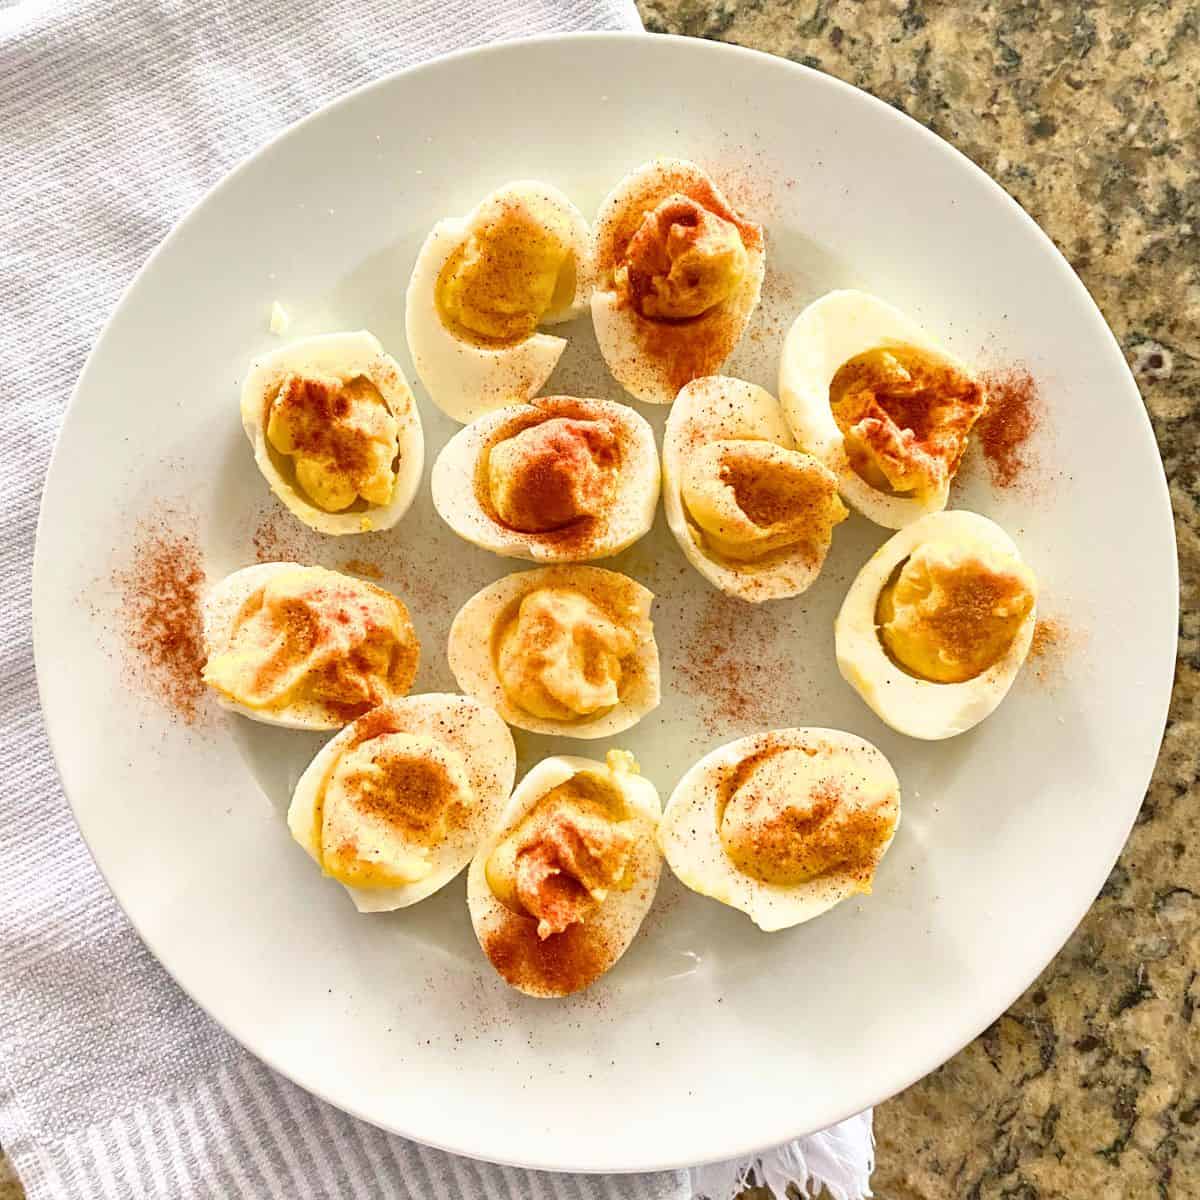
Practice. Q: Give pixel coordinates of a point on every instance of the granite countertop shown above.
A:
(1087, 112)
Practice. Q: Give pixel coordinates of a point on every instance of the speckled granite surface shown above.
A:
(1087, 111)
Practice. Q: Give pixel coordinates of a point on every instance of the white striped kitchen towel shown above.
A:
(114, 119)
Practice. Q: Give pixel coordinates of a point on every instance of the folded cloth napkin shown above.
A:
(114, 119)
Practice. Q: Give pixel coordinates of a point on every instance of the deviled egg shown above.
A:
(395, 805)
(753, 514)
(335, 431)
(305, 647)
(783, 825)
(555, 480)
(936, 626)
(482, 287)
(567, 650)
(678, 273)
(559, 889)
(881, 403)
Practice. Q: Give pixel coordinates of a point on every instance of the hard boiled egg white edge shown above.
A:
(622, 912)
(921, 708)
(691, 840)
(476, 733)
(617, 326)
(466, 380)
(347, 355)
(473, 664)
(452, 485)
(826, 335)
(719, 407)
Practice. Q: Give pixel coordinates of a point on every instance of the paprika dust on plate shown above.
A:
(1014, 413)
(160, 591)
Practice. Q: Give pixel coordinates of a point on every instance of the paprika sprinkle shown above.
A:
(161, 592)
(737, 668)
(1013, 415)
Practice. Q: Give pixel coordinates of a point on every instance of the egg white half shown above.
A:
(220, 609)
(619, 916)
(922, 708)
(452, 484)
(474, 732)
(472, 656)
(466, 380)
(691, 839)
(825, 336)
(719, 408)
(621, 330)
(346, 355)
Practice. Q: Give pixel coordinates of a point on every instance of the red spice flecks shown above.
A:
(732, 662)
(749, 187)
(779, 298)
(1013, 415)
(363, 567)
(160, 593)
(1053, 641)
(421, 583)
(558, 965)
(280, 537)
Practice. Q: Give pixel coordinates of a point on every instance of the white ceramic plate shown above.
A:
(709, 1038)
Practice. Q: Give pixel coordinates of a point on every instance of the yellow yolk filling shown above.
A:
(517, 266)
(560, 863)
(682, 261)
(954, 609)
(341, 437)
(313, 635)
(553, 473)
(560, 658)
(792, 816)
(905, 415)
(753, 498)
(387, 803)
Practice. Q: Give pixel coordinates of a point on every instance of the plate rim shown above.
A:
(57, 737)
